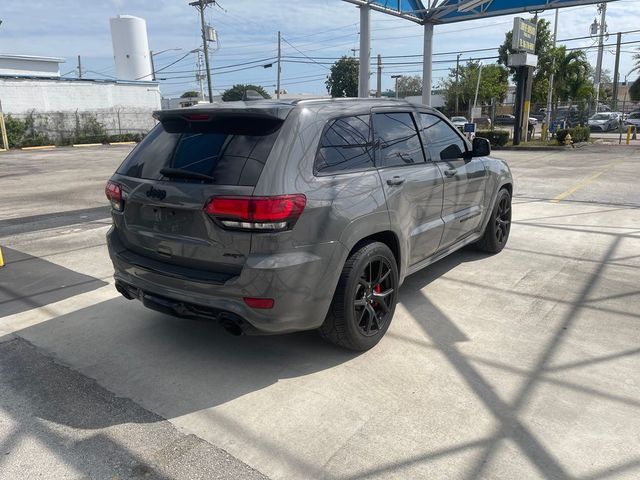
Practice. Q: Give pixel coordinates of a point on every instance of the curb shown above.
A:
(44, 147)
(532, 149)
(87, 144)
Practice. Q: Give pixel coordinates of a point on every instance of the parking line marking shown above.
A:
(583, 183)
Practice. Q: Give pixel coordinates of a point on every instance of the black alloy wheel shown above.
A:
(503, 219)
(374, 296)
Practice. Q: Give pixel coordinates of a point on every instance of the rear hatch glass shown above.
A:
(172, 173)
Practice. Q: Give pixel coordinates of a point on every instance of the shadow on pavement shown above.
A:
(34, 223)
(28, 282)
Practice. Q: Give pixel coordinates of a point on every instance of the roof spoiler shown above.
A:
(207, 114)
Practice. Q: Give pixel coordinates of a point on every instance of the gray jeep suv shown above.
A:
(273, 216)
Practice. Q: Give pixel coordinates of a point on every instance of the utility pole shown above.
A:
(547, 119)
(457, 81)
(616, 74)
(379, 79)
(201, 5)
(200, 75)
(279, 65)
(602, 8)
(79, 67)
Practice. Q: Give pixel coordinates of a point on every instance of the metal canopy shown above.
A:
(450, 11)
(432, 12)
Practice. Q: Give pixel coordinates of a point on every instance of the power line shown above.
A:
(296, 49)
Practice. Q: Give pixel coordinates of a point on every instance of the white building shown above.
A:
(30, 65)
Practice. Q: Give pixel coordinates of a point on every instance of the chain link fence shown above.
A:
(66, 128)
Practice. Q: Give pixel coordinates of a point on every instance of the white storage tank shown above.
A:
(131, 48)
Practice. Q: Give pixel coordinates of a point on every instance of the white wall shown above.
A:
(25, 95)
(32, 66)
(121, 107)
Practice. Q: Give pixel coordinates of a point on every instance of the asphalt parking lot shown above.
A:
(522, 365)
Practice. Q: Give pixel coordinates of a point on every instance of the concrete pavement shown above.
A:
(519, 365)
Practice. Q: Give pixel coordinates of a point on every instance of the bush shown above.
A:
(497, 138)
(578, 134)
(126, 137)
(16, 130)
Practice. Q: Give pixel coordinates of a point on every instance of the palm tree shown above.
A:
(636, 61)
(572, 75)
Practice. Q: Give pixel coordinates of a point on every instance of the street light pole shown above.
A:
(457, 80)
(153, 54)
(547, 119)
(475, 100)
(396, 78)
(201, 5)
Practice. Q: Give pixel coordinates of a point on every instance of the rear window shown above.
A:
(232, 153)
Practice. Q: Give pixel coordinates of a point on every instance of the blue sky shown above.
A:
(248, 32)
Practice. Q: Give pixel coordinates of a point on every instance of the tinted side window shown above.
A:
(398, 137)
(232, 159)
(443, 142)
(345, 145)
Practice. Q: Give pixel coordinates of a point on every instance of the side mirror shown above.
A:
(481, 147)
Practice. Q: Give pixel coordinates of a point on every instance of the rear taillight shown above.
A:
(257, 213)
(113, 191)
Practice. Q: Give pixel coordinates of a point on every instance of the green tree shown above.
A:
(409, 86)
(493, 85)
(190, 94)
(343, 78)
(572, 79)
(545, 52)
(243, 92)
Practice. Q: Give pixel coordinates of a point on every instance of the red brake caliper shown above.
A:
(377, 289)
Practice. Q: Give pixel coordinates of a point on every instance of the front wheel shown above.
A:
(365, 299)
(497, 231)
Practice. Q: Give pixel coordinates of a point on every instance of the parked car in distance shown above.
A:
(633, 119)
(540, 114)
(482, 122)
(505, 119)
(459, 122)
(273, 216)
(604, 121)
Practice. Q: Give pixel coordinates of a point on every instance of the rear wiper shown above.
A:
(180, 173)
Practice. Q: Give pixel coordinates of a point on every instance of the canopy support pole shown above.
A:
(365, 51)
(427, 66)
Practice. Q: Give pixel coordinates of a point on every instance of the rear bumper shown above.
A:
(301, 283)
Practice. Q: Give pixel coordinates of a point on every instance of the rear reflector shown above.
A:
(113, 191)
(257, 213)
(261, 303)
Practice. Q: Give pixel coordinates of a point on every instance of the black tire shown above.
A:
(365, 299)
(497, 231)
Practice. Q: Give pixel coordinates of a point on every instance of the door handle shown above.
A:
(451, 173)
(395, 181)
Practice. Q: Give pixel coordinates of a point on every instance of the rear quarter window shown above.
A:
(345, 145)
(230, 157)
